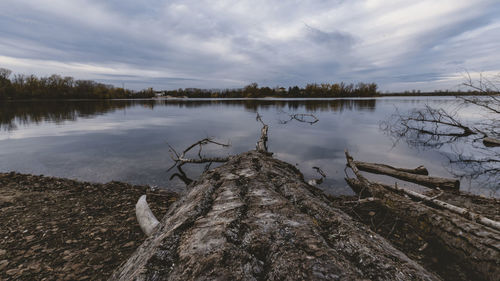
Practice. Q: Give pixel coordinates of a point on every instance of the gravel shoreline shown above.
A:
(61, 229)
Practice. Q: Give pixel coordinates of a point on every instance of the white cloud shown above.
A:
(410, 44)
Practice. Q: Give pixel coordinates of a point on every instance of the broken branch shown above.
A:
(180, 159)
(262, 143)
(418, 175)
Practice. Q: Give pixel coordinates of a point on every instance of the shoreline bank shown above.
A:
(61, 229)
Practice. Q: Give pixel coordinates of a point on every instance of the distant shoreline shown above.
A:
(432, 94)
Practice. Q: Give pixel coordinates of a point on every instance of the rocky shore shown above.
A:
(60, 229)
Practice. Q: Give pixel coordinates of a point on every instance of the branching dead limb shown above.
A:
(473, 142)
(484, 85)
(300, 117)
(182, 176)
(181, 159)
(428, 127)
(483, 166)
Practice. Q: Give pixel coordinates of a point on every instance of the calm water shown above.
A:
(124, 140)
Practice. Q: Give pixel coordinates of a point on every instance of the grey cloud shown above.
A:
(217, 44)
(335, 39)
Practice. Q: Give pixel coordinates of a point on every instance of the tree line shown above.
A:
(312, 90)
(22, 86)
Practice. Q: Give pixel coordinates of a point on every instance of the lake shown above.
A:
(126, 140)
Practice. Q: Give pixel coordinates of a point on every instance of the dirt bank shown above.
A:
(60, 229)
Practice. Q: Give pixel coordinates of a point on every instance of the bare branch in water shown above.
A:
(181, 159)
(300, 117)
(182, 176)
(434, 128)
(320, 180)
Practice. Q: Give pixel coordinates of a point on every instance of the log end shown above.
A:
(491, 142)
(145, 217)
(421, 170)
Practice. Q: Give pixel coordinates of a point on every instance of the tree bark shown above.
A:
(418, 175)
(254, 218)
(478, 246)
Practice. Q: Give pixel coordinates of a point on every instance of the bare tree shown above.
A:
(471, 145)
(5, 73)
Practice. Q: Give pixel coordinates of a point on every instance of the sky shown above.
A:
(400, 45)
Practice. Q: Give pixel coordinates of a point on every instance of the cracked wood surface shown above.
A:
(254, 218)
(477, 246)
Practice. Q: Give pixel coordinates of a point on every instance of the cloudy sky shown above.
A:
(407, 44)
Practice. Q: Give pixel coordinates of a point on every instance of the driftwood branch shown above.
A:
(473, 238)
(418, 175)
(431, 200)
(319, 180)
(147, 221)
(363, 201)
(491, 142)
(262, 143)
(386, 169)
(181, 159)
(181, 175)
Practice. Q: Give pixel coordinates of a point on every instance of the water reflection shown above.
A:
(13, 114)
(125, 139)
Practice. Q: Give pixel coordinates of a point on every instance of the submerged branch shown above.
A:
(300, 117)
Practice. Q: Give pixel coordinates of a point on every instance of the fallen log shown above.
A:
(418, 175)
(476, 245)
(386, 169)
(491, 142)
(254, 218)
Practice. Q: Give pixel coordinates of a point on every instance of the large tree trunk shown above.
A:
(476, 245)
(254, 218)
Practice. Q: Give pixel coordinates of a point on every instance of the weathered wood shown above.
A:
(478, 246)
(491, 141)
(418, 175)
(377, 168)
(254, 218)
(147, 221)
(261, 145)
